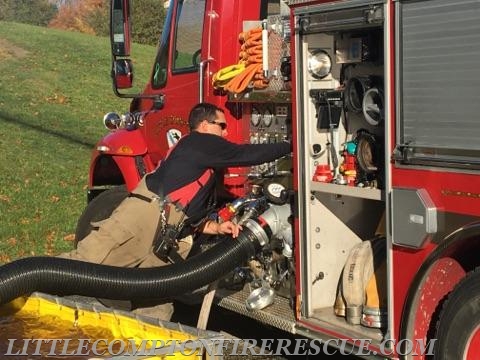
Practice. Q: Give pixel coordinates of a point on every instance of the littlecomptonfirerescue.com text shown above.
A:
(215, 347)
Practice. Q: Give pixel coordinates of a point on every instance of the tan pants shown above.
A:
(125, 238)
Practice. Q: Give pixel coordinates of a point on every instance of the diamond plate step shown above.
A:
(278, 315)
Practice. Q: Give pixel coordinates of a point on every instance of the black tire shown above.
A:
(98, 209)
(459, 325)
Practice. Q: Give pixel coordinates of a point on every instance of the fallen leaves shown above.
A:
(5, 258)
(49, 248)
(69, 237)
(57, 99)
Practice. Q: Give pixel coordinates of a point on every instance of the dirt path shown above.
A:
(9, 50)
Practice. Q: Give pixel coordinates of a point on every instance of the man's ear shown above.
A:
(202, 127)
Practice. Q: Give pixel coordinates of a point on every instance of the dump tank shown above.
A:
(63, 323)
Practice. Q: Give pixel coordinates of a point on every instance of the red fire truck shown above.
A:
(377, 211)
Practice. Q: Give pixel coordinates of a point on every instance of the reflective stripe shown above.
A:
(185, 194)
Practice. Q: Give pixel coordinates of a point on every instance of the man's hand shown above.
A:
(213, 228)
(229, 227)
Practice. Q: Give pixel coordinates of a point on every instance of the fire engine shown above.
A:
(374, 219)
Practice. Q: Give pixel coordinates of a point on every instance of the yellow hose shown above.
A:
(227, 73)
(248, 72)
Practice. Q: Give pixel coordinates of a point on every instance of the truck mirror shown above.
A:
(123, 73)
(120, 27)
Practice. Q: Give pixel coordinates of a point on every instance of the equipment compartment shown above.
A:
(342, 106)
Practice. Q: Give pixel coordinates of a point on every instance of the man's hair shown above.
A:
(200, 112)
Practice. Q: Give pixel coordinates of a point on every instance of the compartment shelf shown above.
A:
(345, 190)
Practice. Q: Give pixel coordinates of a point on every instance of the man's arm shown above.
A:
(221, 153)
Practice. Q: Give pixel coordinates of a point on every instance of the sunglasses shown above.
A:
(223, 125)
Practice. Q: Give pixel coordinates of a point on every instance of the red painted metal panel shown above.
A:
(119, 143)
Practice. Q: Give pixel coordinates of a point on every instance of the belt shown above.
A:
(174, 215)
(143, 197)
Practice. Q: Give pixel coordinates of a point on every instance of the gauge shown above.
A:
(275, 192)
(255, 117)
(319, 63)
(267, 118)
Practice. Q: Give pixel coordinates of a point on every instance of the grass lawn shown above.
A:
(55, 87)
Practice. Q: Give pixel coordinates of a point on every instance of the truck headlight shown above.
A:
(112, 121)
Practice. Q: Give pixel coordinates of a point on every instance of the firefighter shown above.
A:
(155, 224)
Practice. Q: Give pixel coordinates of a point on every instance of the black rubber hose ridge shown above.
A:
(57, 276)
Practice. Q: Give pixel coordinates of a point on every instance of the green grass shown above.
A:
(55, 88)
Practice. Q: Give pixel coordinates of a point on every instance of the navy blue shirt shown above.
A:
(197, 152)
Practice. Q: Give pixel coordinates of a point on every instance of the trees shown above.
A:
(148, 17)
(92, 16)
(99, 19)
(34, 12)
(87, 16)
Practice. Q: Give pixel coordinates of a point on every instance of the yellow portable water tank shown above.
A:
(64, 325)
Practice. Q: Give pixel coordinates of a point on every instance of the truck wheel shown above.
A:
(458, 330)
(98, 209)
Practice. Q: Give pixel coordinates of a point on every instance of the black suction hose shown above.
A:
(59, 276)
